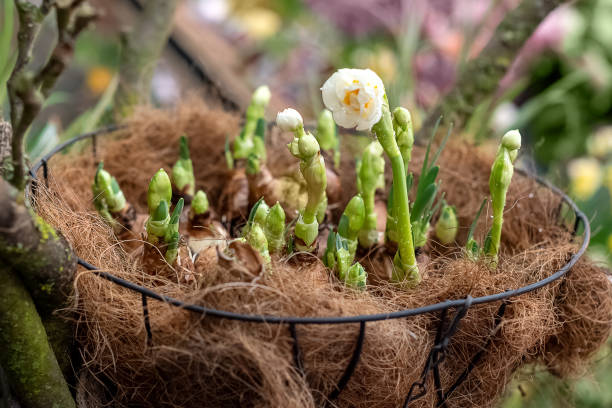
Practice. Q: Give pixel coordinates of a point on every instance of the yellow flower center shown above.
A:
(350, 99)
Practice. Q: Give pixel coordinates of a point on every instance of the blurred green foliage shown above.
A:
(542, 390)
(565, 112)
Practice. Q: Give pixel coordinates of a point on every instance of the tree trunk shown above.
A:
(25, 355)
(141, 50)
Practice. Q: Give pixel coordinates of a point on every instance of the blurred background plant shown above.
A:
(558, 91)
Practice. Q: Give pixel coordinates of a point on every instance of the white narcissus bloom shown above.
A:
(355, 97)
(289, 120)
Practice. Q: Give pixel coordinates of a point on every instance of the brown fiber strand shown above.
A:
(200, 361)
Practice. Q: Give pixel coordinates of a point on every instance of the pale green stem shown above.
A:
(316, 187)
(501, 175)
(384, 131)
(402, 212)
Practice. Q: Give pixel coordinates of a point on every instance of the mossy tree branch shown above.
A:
(32, 247)
(141, 50)
(44, 262)
(25, 355)
(28, 90)
(481, 76)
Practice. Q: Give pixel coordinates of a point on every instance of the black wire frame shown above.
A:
(443, 335)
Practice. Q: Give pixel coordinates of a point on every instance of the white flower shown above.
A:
(261, 96)
(355, 97)
(289, 120)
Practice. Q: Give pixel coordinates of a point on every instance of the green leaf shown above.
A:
(475, 222)
(5, 73)
(423, 202)
(56, 98)
(433, 135)
(329, 257)
(176, 214)
(6, 32)
(39, 143)
(88, 120)
(8, 57)
(260, 129)
(436, 208)
(228, 154)
(487, 243)
(439, 152)
(252, 216)
(426, 180)
(184, 148)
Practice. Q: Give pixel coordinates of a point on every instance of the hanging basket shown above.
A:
(441, 372)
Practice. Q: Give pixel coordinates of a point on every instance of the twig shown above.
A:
(26, 90)
(70, 22)
(30, 18)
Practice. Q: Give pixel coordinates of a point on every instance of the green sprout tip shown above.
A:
(274, 228)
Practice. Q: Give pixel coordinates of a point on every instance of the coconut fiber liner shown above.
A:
(195, 360)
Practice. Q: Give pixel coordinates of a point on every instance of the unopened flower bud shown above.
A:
(289, 120)
(512, 140)
(160, 189)
(261, 96)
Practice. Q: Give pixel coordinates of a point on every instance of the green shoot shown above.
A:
(447, 225)
(108, 197)
(472, 248)
(305, 147)
(499, 182)
(182, 172)
(199, 204)
(427, 190)
(370, 177)
(327, 135)
(244, 144)
(406, 270)
(274, 228)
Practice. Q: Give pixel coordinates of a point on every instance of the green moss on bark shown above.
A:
(40, 255)
(28, 361)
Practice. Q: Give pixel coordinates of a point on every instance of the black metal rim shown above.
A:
(441, 306)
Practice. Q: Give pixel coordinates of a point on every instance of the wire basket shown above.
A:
(448, 322)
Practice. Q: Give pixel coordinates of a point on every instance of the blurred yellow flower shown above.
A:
(608, 176)
(610, 243)
(382, 61)
(585, 177)
(98, 79)
(599, 144)
(260, 23)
